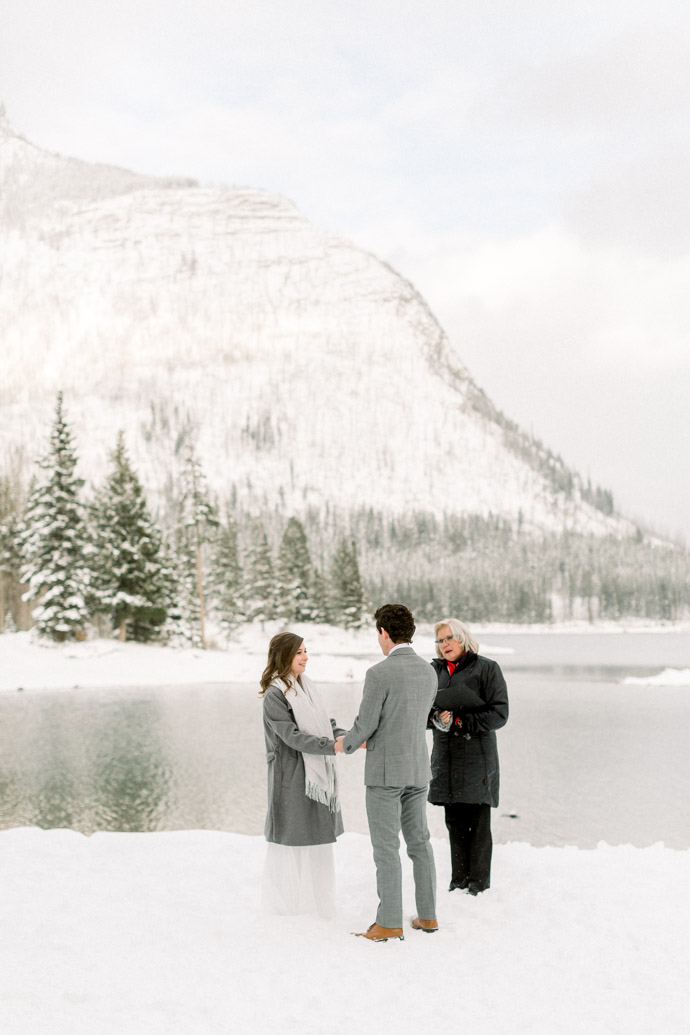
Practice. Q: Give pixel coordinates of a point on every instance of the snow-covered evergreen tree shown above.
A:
(54, 544)
(226, 578)
(131, 580)
(259, 578)
(319, 593)
(11, 528)
(295, 575)
(348, 599)
(197, 526)
(183, 555)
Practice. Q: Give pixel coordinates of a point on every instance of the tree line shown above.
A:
(69, 561)
(74, 562)
(489, 568)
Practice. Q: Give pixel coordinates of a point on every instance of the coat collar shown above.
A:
(403, 651)
(463, 661)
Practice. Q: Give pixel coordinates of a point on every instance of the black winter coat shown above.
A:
(464, 761)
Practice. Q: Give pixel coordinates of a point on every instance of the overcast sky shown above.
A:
(525, 164)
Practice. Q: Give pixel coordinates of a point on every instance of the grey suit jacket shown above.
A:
(398, 695)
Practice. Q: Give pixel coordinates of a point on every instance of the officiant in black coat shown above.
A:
(471, 704)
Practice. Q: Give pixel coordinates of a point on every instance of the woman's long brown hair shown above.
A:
(281, 651)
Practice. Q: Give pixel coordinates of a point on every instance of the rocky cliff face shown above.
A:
(308, 372)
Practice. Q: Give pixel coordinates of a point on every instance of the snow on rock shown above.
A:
(160, 306)
(669, 677)
(162, 934)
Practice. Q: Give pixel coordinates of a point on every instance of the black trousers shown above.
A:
(469, 830)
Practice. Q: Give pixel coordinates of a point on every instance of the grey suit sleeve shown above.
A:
(281, 720)
(367, 721)
(337, 730)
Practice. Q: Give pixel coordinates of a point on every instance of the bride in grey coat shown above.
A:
(303, 818)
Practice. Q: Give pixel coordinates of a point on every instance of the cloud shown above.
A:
(639, 76)
(584, 346)
(610, 307)
(547, 299)
(523, 162)
(641, 207)
(467, 114)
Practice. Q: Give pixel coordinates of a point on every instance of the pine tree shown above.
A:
(347, 593)
(259, 581)
(226, 578)
(188, 604)
(131, 581)
(54, 544)
(319, 591)
(10, 552)
(196, 528)
(11, 528)
(295, 575)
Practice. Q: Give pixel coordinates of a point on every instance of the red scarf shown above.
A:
(451, 669)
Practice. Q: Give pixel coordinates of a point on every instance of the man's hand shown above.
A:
(446, 716)
(339, 745)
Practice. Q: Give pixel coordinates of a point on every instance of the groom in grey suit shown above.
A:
(398, 695)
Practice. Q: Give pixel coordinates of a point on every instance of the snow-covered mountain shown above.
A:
(307, 370)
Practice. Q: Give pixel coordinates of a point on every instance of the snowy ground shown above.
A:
(32, 663)
(162, 934)
(336, 656)
(669, 677)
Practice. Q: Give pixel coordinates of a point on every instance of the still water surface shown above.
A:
(584, 758)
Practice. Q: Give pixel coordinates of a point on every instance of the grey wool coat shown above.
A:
(292, 817)
(397, 697)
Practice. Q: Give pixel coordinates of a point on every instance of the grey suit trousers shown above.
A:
(389, 810)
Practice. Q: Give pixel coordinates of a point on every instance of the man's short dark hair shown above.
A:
(397, 620)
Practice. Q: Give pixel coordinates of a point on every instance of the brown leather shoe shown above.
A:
(376, 933)
(425, 925)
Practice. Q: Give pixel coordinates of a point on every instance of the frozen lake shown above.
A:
(584, 758)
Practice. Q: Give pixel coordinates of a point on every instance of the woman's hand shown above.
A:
(446, 716)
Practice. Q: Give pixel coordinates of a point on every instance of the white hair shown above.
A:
(460, 633)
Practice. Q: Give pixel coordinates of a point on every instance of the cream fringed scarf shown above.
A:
(321, 782)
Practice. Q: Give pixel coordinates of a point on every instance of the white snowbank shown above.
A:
(161, 934)
(669, 677)
(32, 663)
(337, 656)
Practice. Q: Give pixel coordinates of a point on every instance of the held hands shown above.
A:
(444, 720)
(338, 746)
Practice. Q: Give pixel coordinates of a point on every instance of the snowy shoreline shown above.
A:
(336, 655)
(162, 934)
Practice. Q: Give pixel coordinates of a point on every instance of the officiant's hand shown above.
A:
(339, 745)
